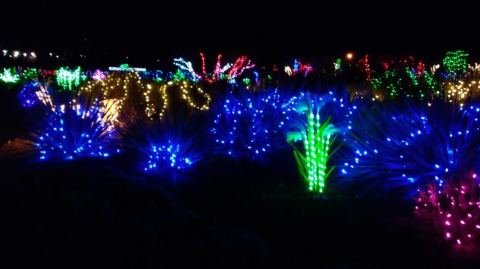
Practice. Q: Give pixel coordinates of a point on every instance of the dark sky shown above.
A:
(267, 31)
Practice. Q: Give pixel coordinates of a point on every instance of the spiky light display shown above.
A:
(247, 125)
(455, 64)
(168, 144)
(76, 130)
(412, 145)
(67, 78)
(9, 76)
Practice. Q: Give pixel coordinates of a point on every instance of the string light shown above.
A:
(187, 95)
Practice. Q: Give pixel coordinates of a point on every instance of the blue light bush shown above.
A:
(172, 143)
(248, 125)
(79, 128)
(408, 145)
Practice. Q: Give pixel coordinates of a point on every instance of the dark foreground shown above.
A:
(89, 214)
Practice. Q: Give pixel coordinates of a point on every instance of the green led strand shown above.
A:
(317, 145)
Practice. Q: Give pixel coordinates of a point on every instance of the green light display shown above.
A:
(179, 76)
(455, 63)
(30, 73)
(67, 78)
(317, 138)
(8, 76)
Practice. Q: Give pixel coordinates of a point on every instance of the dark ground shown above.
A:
(89, 214)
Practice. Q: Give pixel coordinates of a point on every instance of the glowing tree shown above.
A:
(8, 76)
(455, 64)
(67, 78)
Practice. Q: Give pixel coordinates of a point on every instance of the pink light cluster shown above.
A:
(455, 209)
(99, 75)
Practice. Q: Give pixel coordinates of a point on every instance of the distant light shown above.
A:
(349, 56)
(50, 54)
(24, 55)
(33, 54)
(16, 53)
(57, 56)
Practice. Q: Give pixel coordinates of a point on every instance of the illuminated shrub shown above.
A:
(9, 76)
(80, 128)
(28, 95)
(68, 79)
(169, 144)
(410, 145)
(248, 125)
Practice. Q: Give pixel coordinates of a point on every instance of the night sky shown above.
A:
(265, 32)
